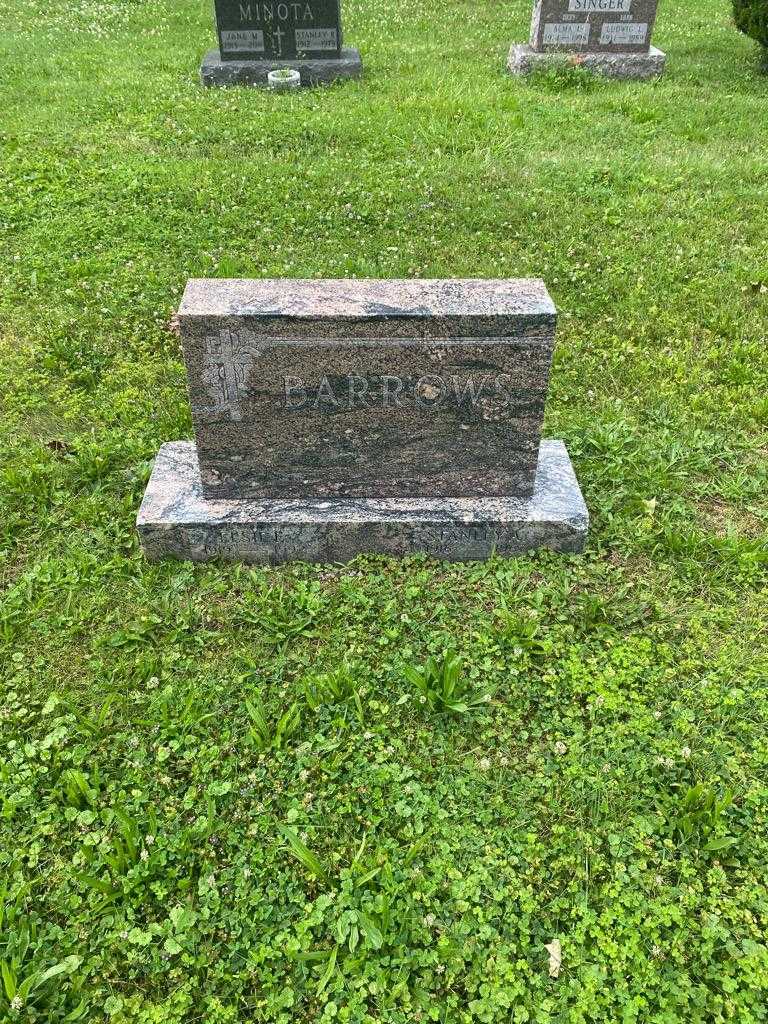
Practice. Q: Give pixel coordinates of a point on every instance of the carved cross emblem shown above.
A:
(226, 366)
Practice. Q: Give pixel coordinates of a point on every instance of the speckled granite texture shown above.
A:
(523, 60)
(313, 71)
(370, 306)
(593, 26)
(177, 521)
(367, 388)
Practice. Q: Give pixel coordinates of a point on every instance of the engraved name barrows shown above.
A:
(227, 366)
(390, 391)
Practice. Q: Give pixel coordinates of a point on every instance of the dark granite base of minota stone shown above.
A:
(523, 60)
(215, 71)
(176, 521)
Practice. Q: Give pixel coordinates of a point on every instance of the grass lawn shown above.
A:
(222, 798)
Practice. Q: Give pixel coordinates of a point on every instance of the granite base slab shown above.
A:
(523, 60)
(177, 521)
(316, 71)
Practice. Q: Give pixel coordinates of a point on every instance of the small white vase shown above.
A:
(284, 80)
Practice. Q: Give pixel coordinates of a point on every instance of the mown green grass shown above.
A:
(143, 843)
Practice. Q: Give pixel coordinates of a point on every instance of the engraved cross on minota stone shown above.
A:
(225, 372)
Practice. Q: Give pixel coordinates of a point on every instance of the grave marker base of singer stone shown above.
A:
(523, 60)
(177, 521)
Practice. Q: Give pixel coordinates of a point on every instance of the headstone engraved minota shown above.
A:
(258, 36)
(609, 36)
(334, 418)
(293, 28)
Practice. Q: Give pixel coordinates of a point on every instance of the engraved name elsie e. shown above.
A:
(256, 539)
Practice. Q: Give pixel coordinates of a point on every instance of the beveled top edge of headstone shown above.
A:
(371, 299)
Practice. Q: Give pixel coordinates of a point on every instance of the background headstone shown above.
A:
(259, 36)
(600, 26)
(255, 30)
(339, 417)
(610, 36)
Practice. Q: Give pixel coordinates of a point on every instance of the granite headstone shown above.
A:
(259, 36)
(339, 417)
(609, 36)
